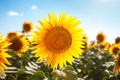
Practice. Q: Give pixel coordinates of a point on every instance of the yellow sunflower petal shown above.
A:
(3, 55)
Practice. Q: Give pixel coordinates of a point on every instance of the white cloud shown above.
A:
(34, 7)
(13, 13)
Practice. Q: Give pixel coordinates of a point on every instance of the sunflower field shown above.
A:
(58, 50)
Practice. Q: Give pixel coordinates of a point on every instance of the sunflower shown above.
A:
(85, 38)
(117, 40)
(114, 49)
(105, 46)
(3, 54)
(117, 64)
(58, 40)
(86, 46)
(93, 44)
(27, 27)
(101, 37)
(18, 44)
(12, 35)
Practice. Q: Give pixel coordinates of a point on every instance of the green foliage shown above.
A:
(39, 75)
(94, 64)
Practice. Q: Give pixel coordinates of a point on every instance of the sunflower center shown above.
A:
(16, 44)
(102, 46)
(11, 35)
(115, 50)
(58, 39)
(117, 40)
(100, 38)
(27, 27)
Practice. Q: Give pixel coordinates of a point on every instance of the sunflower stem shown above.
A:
(115, 71)
(55, 78)
(21, 64)
(16, 76)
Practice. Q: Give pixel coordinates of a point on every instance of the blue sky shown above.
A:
(96, 15)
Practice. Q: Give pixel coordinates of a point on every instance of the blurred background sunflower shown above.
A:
(27, 27)
(117, 40)
(19, 43)
(114, 49)
(101, 37)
